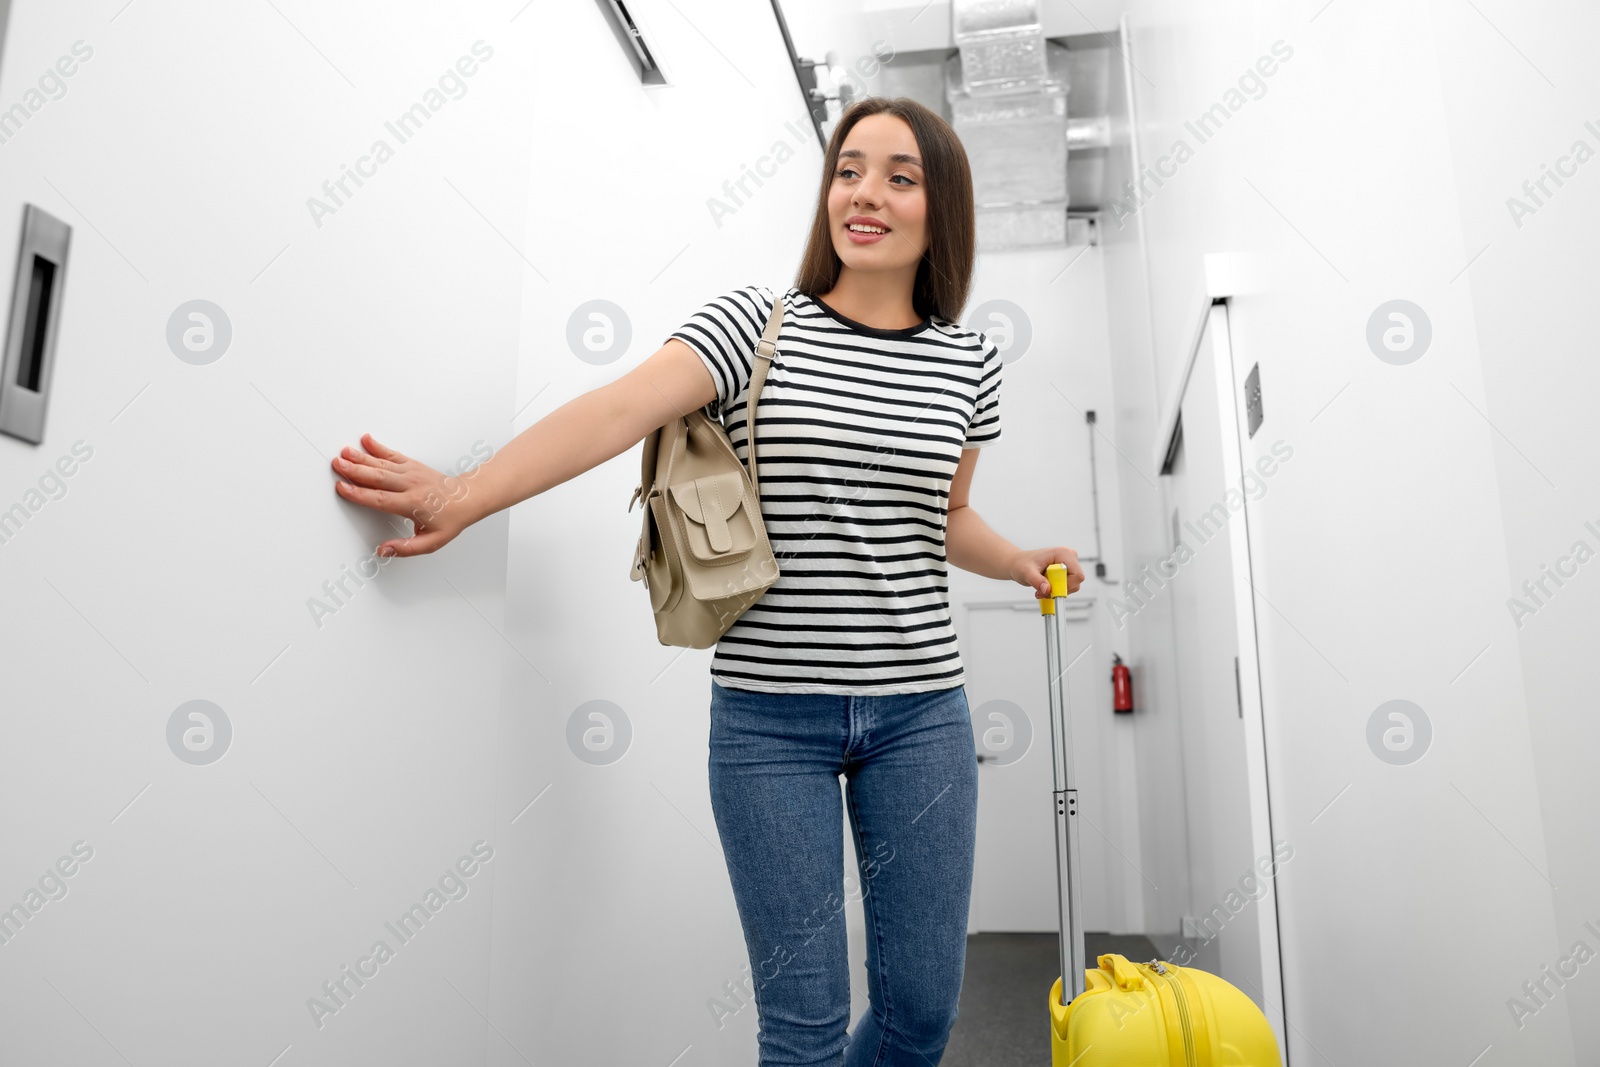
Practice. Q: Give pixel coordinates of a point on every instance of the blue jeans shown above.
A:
(912, 785)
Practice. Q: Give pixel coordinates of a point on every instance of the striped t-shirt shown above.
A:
(860, 433)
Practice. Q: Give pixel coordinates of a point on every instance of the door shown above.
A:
(1231, 923)
(1015, 881)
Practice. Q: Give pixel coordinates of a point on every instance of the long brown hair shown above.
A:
(944, 276)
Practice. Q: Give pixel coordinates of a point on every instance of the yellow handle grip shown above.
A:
(1057, 573)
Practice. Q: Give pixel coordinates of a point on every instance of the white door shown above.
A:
(1232, 903)
(1014, 881)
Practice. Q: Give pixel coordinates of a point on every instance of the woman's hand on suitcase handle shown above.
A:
(1028, 567)
(386, 480)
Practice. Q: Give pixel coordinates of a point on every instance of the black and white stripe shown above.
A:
(861, 430)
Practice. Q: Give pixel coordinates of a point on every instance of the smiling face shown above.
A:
(879, 182)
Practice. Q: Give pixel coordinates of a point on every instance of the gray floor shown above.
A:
(1004, 1020)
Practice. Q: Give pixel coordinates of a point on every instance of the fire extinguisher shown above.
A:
(1121, 685)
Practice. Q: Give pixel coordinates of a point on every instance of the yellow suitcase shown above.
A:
(1154, 1014)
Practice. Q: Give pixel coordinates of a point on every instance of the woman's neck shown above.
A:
(881, 300)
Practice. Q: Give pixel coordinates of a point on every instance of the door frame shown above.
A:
(1213, 310)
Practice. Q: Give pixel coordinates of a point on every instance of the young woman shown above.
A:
(871, 419)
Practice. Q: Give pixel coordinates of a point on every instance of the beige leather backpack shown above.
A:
(703, 552)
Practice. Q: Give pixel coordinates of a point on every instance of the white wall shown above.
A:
(1373, 167)
(179, 559)
(612, 900)
(1532, 303)
(1147, 635)
(1037, 492)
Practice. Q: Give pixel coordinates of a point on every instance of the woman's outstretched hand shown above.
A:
(1028, 568)
(385, 480)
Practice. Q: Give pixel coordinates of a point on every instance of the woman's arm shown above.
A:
(597, 426)
(577, 436)
(970, 544)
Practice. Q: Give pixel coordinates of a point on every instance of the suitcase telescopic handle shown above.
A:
(1069, 887)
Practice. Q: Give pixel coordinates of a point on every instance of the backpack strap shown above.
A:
(766, 348)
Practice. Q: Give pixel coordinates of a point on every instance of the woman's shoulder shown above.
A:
(960, 336)
(766, 291)
(743, 308)
(754, 297)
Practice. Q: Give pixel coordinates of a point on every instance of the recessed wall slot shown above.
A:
(35, 317)
(32, 360)
(633, 43)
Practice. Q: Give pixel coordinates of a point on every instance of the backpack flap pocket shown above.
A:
(717, 524)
